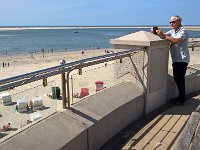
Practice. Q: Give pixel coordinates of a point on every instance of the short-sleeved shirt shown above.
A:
(179, 52)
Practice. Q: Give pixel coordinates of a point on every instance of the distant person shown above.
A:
(31, 55)
(106, 64)
(178, 37)
(43, 53)
(6, 127)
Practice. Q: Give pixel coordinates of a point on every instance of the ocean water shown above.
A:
(34, 40)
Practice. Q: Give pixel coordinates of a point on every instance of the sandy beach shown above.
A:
(20, 64)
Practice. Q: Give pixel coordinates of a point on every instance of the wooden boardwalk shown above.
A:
(158, 130)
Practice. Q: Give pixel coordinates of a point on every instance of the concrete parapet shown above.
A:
(87, 125)
(172, 90)
(117, 107)
(192, 83)
(56, 132)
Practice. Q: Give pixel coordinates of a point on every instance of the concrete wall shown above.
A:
(92, 122)
(192, 83)
(115, 110)
(88, 125)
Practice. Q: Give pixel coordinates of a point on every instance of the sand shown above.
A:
(21, 64)
(193, 28)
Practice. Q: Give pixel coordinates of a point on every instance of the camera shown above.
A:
(154, 30)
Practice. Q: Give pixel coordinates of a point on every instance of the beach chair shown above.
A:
(84, 92)
(22, 105)
(35, 116)
(5, 99)
(37, 102)
(55, 92)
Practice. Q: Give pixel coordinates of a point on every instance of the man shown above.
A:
(178, 37)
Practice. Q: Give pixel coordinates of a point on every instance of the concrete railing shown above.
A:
(85, 126)
(89, 124)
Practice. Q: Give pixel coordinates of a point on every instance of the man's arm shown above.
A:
(172, 40)
(167, 37)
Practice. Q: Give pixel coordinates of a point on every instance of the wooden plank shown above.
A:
(195, 145)
(185, 138)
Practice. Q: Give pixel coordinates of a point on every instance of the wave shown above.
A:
(6, 35)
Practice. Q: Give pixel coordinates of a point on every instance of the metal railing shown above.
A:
(10, 83)
(193, 44)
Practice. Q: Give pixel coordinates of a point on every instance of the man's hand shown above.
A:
(160, 34)
(167, 37)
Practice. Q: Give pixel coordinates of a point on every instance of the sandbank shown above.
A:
(194, 28)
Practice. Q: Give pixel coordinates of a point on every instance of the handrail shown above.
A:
(15, 81)
(193, 44)
(9, 83)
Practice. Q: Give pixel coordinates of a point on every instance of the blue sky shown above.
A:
(97, 12)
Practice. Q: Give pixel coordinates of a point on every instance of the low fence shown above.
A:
(13, 82)
(36, 95)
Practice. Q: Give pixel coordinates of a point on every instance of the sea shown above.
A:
(63, 39)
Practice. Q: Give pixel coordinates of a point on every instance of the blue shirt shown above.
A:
(179, 52)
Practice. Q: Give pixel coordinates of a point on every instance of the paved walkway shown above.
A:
(158, 130)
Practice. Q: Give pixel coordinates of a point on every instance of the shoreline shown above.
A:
(189, 27)
(48, 53)
(33, 53)
(25, 63)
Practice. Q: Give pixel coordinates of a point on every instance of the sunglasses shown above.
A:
(172, 22)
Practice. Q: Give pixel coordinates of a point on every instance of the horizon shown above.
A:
(89, 25)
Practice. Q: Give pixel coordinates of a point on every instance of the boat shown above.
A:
(76, 30)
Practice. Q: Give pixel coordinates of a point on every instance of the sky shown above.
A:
(97, 12)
